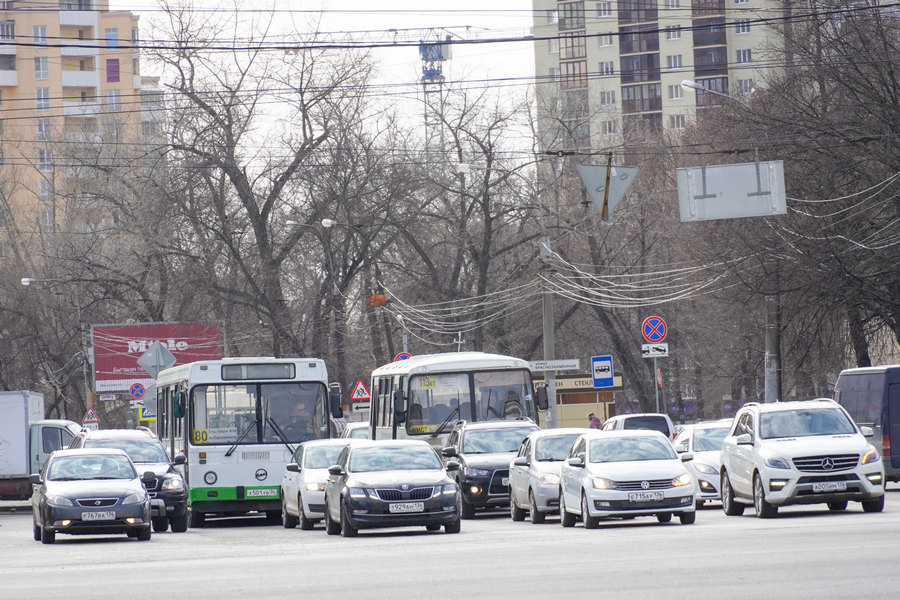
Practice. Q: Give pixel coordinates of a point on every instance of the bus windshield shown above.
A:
(444, 398)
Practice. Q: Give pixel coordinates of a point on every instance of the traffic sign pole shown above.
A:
(655, 387)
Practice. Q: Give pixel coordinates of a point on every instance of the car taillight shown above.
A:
(886, 444)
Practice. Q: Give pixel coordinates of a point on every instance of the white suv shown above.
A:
(805, 452)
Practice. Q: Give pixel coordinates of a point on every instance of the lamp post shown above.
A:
(28, 281)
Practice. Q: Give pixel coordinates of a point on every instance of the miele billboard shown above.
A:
(117, 349)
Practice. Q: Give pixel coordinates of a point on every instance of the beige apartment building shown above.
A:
(70, 98)
(607, 70)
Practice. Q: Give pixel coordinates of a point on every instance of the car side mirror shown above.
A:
(181, 459)
(745, 439)
(335, 470)
(449, 451)
(337, 408)
(35, 479)
(687, 456)
(452, 466)
(542, 400)
(148, 477)
(866, 431)
(292, 467)
(399, 413)
(521, 461)
(575, 461)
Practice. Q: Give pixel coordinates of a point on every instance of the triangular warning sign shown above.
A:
(90, 416)
(360, 392)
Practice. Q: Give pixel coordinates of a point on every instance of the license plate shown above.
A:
(504, 481)
(99, 515)
(829, 486)
(406, 507)
(645, 496)
(258, 493)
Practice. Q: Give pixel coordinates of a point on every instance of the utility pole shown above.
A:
(549, 330)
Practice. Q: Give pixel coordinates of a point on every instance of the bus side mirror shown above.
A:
(179, 405)
(337, 409)
(542, 398)
(399, 413)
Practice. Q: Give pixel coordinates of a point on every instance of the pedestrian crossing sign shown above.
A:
(360, 392)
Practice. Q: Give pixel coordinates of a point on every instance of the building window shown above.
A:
(673, 61)
(2, 128)
(554, 74)
(135, 35)
(554, 45)
(8, 30)
(607, 68)
(136, 66)
(672, 4)
(673, 32)
(43, 128)
(574, 74)
(607, 127)
(676, 92)
(605, 41)
(41, 68)
(40, 35)
(112, 70)
(572, 46)
(43, 98)
(676, 121)
(114, 100)
(742, 26)
(1, 97)
(47, 220)
(607, 98)
(45, 160)
(7, 62)
(112, 38)
(552, 17)
(604, 10)
(742, 1)
(46, 191)
(571, 15)
(744, 56)
(2, 158)
(744, 86)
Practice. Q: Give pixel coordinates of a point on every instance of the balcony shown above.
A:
(9, 78)
(70, 47)
(81, 78)
(78, 18)
(82, 109)
(7, 46)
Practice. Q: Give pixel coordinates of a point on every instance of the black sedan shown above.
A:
(390, 484)
(90, 491)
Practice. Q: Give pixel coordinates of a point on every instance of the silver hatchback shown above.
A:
(534, 472)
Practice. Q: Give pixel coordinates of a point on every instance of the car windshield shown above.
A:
(630, 449)
(648, 422)
(360, 433)
(554, 448)
(70, 468)
(139, 451)
(393, 458)
(486, 441)
(709, 439)
(321, 457)
(804, 422)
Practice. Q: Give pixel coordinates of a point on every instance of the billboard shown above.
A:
(117, 349)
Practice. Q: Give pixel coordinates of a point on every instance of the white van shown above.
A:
(654, 421)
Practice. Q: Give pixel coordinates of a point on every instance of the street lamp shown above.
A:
(693, 85)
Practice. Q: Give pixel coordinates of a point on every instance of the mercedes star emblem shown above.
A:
(827, 463)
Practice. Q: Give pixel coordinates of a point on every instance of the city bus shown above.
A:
(238, 422)
(424, 396)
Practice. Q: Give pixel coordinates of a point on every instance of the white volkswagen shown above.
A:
(303, 484)
(625, 473)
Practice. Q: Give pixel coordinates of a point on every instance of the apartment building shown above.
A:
(608, 70)
(70, 100)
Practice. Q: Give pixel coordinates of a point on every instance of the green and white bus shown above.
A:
(238, 422)
(424, 396)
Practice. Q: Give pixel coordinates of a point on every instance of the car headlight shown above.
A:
(173, 484)
(448, 489)
(871, 456)
(548, 478)
(360, 493)
(59, 501)
(683, 479)
(601, 483)
(315, 486)
(776, 462)
(704, 468)
(473, 472)
(134, 499)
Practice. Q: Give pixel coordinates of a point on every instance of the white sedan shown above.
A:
(303, 484)
(625, 473)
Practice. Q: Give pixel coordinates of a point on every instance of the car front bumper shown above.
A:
(618, 503)
(71, 519)
(784, 488)
(313, 504)
(367, 513)
(546, 496)
(486, 491)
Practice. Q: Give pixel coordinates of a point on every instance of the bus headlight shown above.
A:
(210, 477)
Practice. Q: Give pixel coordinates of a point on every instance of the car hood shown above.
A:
(547, 466)
(489, 461)
(94, 488)
(308, 474)
(818, 445)
(710, 457)
(637, 470)
(396, 478)
(156, 468)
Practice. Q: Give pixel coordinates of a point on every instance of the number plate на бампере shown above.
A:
(406, 507)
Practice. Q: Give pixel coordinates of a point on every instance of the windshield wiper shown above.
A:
(242, 436)
(447, 420)
(280, 433)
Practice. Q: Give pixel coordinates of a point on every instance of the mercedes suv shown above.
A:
(805, 452)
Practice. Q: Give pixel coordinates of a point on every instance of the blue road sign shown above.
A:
(602, 368)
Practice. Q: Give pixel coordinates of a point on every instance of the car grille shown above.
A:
(96, 502)
(151, 485)
(637, 486)
(497, 487)
(391, 495)
(826, 463)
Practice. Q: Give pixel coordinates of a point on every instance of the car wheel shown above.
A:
(305, 524)
(196, 520)
(433, 527)
(468, 511)
(132, 533)
(663, 517)
(537, 517)
(37, 532)
(875, 505)
(838, 505)
(143, 535)
(566, 518)
(160, 524)
(698, 505)
(764, 510)
(453, 527)
(586, 518)
(179, 524)
(331, 528)
(515, 512)
(687, 518)
(289, 521)
(47, 536)
(729, 505)
(347, 530)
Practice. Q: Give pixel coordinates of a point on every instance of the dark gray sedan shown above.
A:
(90, 491)
(390, 484)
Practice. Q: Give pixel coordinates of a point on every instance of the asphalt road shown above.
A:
(806, 552)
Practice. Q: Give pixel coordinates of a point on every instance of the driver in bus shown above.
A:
(298, 426)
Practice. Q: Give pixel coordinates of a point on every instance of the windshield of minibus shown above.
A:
(445, 398)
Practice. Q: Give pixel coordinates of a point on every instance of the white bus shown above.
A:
(424, 396)
(238, 421)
